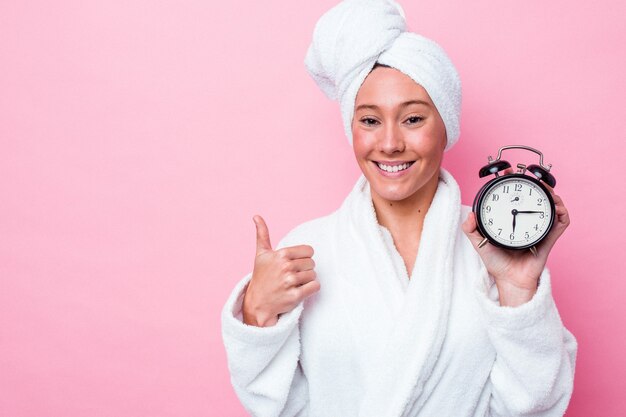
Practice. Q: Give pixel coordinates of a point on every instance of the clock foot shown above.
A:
(533, 250)
(483, 243)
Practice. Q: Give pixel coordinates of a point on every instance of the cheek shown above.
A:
(362, 143)
(429, 141)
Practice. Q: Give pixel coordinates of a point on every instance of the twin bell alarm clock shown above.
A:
(515, 210)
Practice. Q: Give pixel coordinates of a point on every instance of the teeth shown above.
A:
(394, 168)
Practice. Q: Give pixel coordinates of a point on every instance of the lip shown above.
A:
(392, 163)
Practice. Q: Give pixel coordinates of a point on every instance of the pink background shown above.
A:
(139, 138)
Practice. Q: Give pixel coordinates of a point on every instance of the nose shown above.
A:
(392, 140)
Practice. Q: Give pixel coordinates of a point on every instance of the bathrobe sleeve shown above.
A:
(264, 361)
(533, 373)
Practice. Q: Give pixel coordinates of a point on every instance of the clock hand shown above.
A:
(527, 211)
(514, 214)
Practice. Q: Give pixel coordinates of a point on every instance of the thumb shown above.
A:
(470, 228)
(469, 225)
(262, 235)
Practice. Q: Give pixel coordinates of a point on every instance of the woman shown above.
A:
(387, 307)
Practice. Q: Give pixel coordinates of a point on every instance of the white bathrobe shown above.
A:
(374, 343)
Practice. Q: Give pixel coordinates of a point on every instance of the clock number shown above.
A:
(526, 235)
(499, 231)
(536, 227)
(488, 209)
(541, 215)
(539, 200)
(495, 197)
(505, 189)
(512, 236)
(530, 191)
(518, 187)
(490, 222)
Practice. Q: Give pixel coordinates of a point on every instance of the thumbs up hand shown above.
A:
(280, 279)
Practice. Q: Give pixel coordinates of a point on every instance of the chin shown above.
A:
(394, 190)
(391, 192)
(392, 195)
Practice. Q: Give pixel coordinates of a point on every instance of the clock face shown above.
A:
(515, 211)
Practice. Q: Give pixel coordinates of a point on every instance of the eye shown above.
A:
(368, 121)
(414, 119)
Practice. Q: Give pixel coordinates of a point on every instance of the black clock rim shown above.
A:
(493, 182)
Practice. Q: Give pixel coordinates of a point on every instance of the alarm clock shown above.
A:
(515, 210)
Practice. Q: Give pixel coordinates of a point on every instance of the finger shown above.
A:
(560, 209)
(471, 230)
(472, 233)
(308, 289)
(562, 215)
(302, 264)
(296, 252)
(561, 212)
(544, 248)
(557, 199)
(475, 239)
(558, 227)
(469, 225)
(303, 277)
(295, 279)
(262, 235)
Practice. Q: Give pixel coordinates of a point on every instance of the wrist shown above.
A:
(259, 320)
(255, 316)
(511, 295)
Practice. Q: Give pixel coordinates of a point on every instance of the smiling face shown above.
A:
(396, 125)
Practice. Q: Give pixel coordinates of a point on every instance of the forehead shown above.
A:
(388, 87)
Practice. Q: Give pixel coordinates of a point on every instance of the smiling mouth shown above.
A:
(394, 168)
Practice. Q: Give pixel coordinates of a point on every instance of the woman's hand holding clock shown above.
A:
(280, 279)
(516, 272)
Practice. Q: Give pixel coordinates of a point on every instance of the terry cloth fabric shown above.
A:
(378, 340)
(355, 34)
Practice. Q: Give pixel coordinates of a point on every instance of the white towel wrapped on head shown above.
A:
(356, 34)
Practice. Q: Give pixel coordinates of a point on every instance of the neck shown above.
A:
(406, 215)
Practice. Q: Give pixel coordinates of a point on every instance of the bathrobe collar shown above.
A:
(400, 326)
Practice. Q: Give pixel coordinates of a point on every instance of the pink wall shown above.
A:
(138, 139)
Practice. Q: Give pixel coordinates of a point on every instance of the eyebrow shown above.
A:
(405, 104)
